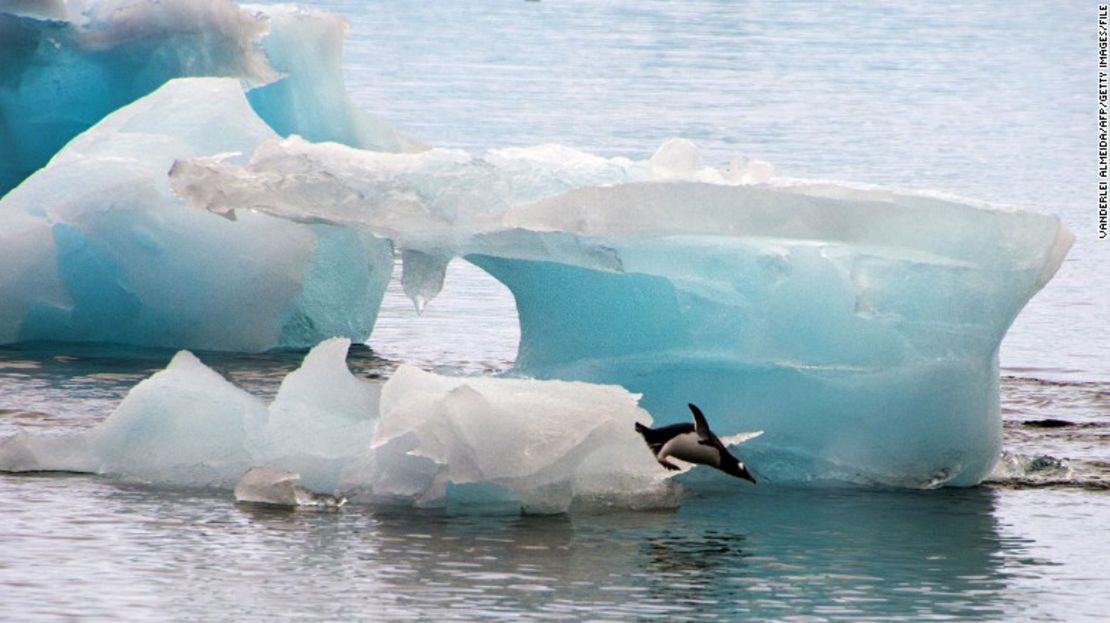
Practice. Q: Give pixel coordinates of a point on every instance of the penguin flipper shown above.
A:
(701, 427)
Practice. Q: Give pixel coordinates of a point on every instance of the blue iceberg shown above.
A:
(858, 326)
(96, 248)
(66, 65)
(310, 99)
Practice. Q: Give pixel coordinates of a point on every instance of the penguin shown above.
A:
(694, 443)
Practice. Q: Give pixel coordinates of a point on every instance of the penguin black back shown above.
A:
(656, 437)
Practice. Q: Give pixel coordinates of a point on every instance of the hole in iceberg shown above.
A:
(470, 326)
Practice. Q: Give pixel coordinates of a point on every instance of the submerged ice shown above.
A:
(273, 487)
(420, 438)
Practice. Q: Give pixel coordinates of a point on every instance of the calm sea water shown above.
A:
(992, 100)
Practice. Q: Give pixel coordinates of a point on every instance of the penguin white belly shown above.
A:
(685, 447)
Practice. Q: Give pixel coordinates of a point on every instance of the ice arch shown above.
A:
(858, 326)
(471, 325)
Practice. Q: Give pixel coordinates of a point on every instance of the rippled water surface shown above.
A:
(991, 100)
(790, 555)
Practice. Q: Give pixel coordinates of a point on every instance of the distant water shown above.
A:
(991, 100)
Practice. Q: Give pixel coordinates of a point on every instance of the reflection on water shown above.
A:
(138, 553)
(671, 553)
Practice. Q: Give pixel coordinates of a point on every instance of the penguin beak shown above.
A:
(745, 474)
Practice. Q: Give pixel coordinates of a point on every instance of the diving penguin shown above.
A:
(694, 443)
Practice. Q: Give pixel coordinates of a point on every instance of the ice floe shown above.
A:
(420, 439)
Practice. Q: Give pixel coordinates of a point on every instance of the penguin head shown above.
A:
(733, 467)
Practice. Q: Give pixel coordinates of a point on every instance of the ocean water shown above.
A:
(990, 100)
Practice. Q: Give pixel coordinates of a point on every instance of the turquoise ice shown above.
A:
(96, 248)
(66, 65)
(858, 326)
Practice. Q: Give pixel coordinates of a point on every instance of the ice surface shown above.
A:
(539, 446)
(543, 443)
(321, 417)
(186, 425)
(27, 452)
(859, 327)
(436, 198)
(97, 248)
(66, 65)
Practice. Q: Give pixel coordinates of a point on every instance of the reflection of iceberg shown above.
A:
(65, 65)
(858, 327)
(96, 248)
(806, 544)
(540, 445)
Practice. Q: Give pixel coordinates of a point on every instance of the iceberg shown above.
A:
(96, 248)
(310, 99)
(186, 425)
(421, 439)
(858, 326)
(321, 419)
(66, 65)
